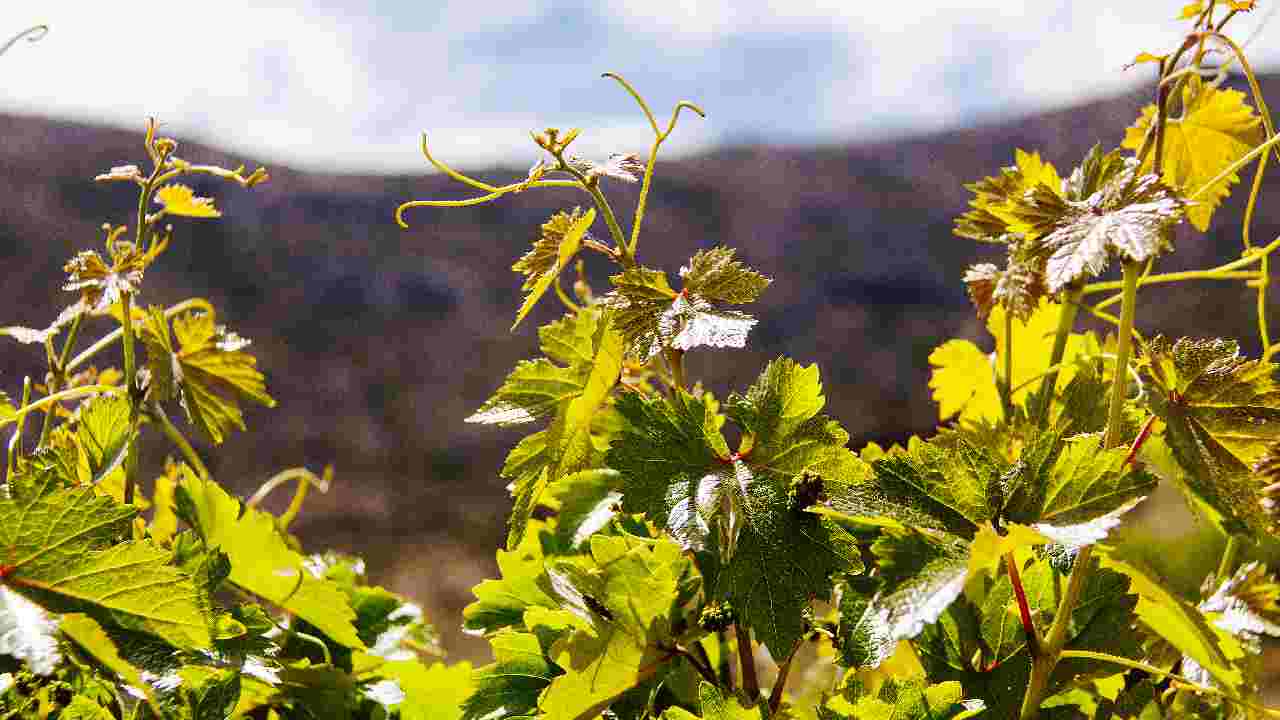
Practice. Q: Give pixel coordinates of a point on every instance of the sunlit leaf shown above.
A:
(1216, 128)
(1220, 411)
(998, 200)
(179, 199)
(560, 239)
(434, 692)
(27, 633)
(262, 563)
(501, 603)
(510, 686)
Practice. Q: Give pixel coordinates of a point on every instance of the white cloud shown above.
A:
(348, 86)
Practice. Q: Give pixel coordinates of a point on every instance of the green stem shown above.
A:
(176, 437)
(1124, 341)
(750, 684)
(1006, 387)
(1227, 564)
(1042, 666)
(1153, 670)
(58, 374)
(725, 667)
(130, 384)
(1066, 321)
(675, 358)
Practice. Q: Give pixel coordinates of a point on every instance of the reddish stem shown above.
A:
(1024, 609)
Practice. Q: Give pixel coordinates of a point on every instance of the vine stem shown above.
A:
(1227, 564)
(58, 374)
(750, 683)
(1042, 666)
(116, 334)
(775, 696)
(1006, 387)
(176, 437)
(1066, 321)
(130, 381)
(1034, 642)
(1152, 669)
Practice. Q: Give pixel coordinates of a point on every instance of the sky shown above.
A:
(349, 86)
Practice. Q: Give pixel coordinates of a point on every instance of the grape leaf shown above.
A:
(997, 199)
(27, 633)
(1074, 491)
(651, 316)
(904, 700)
(510, 686)
(179, 199)
(587, 503)
(677, 469)
(714, 706)
(205, 365)
(1018, 288)
(1246, 604)
(533, 390)
(1216, 128)
(964, 378)
(1178, 622)
(93, 639)
(623, 599)
(434, 692)
(561, 237)
(59, 550)
(1220, 411)
(501, 603)
(261, 562)
(1130, 216)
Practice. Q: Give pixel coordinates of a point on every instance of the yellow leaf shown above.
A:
(1191, 10)
(181, 200)
(964, 377)
(569, 245)
(1216, 129)
(164, 522)
(989, 547)
(1144, 57)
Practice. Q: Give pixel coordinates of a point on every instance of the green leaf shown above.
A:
(561, 237)
(715, 706)
(511, 685)
(907, 700)
(715, 275)
(27, 633)
(103, 434)
(677, 469)
(1220, 411)
(625, 597)
(435, 692)
(566, 447)
(588, 503)
(501, 603)
(652, 317)
(1178, 622)
(215, 697)
(1074, 492)
(206, 366)
(58, 550)
(533, 390)
(1216, 128)
(262, 563)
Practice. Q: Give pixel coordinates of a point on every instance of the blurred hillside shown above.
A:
(378, 341)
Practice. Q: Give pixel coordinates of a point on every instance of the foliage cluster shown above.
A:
(670, 553)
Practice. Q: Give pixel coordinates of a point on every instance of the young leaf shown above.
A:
(1129, 216)
(1179, 623)
(964, 378)
(677, 469)
(715, 706)
(588, 502)
(998, 199)
(206, 368)
(1216, 129)
(178, 199)
(510, 686)
(1247, 604)
(1018, 288)
(909, 700)
(651, 316)
(533, 391)
(261, 562)
(561, 237)
(633, 588)
(501, 603)
(27, 633)
(434, 692)
(1220, 412)
(94, 640)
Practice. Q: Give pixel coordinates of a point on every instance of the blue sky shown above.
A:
(348, 86)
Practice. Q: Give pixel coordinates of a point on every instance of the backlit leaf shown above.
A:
(1216, 128)
(510, 686)
(27, 633)
(717, 276)
(561, 237)
(995, 207)
(1220, 412)
(179, 199)
(501, 603)
(262, 563)
(431, 692)
(206, 366)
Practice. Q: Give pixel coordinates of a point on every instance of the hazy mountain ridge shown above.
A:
(377, 341)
